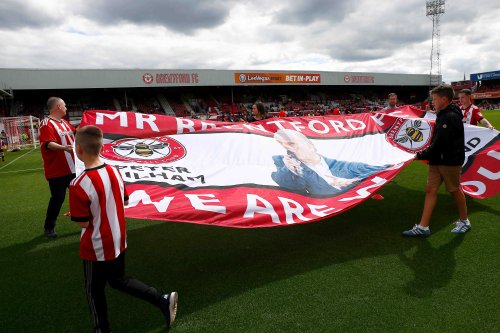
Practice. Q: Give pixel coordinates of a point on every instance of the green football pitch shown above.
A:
(350, 273)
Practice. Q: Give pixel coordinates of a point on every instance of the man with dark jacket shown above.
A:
(446, 154)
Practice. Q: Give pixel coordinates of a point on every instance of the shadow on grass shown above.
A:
(208, 264)
(433, 267)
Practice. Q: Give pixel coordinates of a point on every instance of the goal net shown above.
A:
(20, 132)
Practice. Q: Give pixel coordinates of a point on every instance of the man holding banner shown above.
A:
(56, 141)
(392, 101)
(472, 114)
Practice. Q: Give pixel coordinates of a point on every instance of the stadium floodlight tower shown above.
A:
(435, 8)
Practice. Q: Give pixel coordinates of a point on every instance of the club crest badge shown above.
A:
(147, 78)
(158, 150)
(411, 135)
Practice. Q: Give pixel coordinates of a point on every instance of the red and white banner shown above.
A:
(274, 172)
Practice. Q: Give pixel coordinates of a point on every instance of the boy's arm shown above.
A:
(82, 221)
(440, 133)
(79, 205)
(125, 192)
(478, 116)
(486, 123)
(125, 195)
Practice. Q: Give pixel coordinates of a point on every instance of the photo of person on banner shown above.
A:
(304, 171)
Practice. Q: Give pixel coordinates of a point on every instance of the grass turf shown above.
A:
(350, 273)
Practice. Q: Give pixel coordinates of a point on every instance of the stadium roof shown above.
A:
(28, 79)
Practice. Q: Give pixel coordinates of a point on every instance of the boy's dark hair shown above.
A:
(52, 102)
(466, 91)
(444, 90)
(392, 94)
(90, 139)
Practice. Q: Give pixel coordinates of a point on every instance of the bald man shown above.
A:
(56, 141)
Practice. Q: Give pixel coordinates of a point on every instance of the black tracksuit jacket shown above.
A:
(447, 145)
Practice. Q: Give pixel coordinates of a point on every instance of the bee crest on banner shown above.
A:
(411, 135)
(156, 150)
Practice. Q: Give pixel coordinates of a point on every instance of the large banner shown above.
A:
(274, 172)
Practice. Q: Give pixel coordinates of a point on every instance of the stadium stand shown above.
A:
(217, 103)
(219, 94)
(178, 106)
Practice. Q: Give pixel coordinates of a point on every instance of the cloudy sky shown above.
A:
(327, 35)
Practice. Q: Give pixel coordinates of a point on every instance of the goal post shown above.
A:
(20, 132)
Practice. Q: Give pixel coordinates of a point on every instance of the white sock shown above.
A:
(466, 221)
(423, 228)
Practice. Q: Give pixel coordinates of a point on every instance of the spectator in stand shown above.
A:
(56, 141)
(258, 112)
(472, 114)
(282, 113)
(392, 101)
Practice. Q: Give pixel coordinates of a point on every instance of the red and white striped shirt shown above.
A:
(98, 196)
(472, 115)
(57, 163)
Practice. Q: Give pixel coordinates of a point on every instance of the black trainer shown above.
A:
(50, 234)
(168, 306)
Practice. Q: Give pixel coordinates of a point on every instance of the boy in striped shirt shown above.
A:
(97, 198)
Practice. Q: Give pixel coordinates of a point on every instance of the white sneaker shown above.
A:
(461, 227)
(168, 306)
